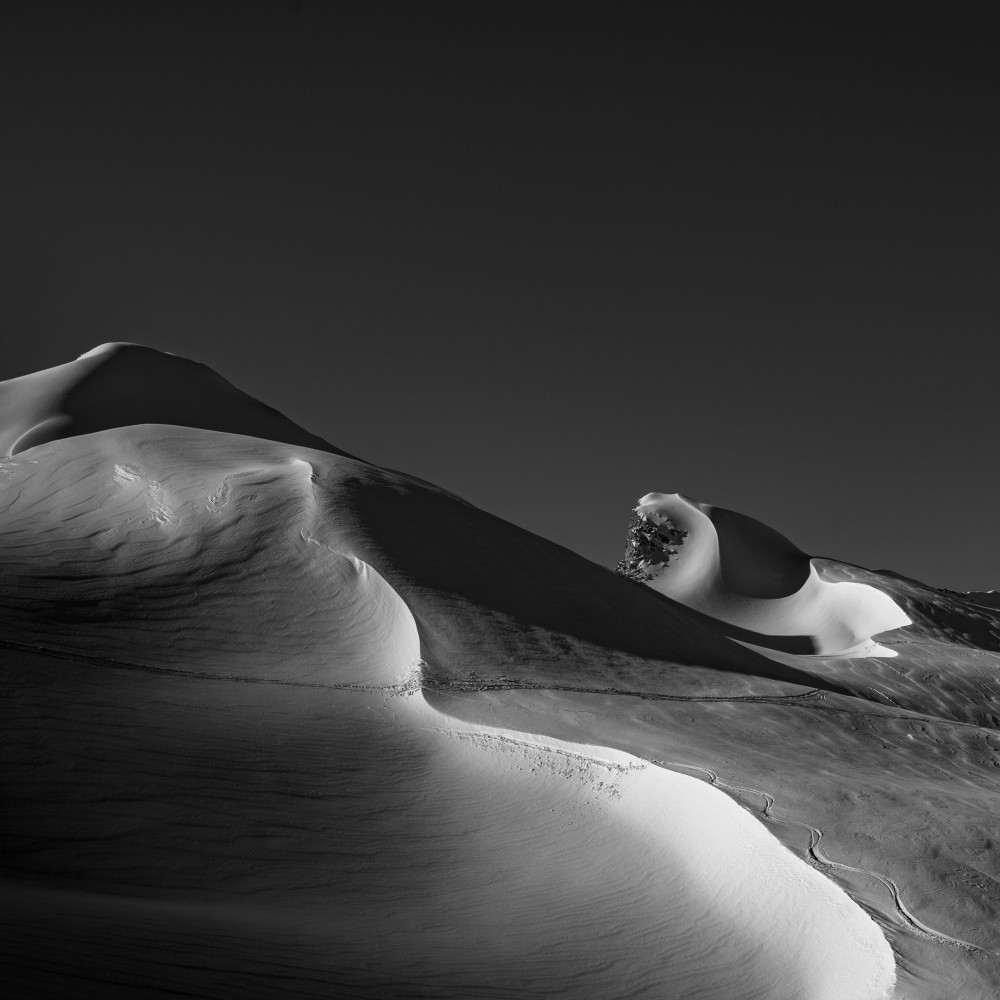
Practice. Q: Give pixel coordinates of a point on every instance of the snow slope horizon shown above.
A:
(191, 556)
(322, 635)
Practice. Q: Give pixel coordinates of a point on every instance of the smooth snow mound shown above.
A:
(739, 915)
(742, 572)
(118, 385)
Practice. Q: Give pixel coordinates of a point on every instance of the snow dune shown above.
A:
(733, 568)
(289, 840)
(117, 385)
(175, 557)
(287, 724)
(727, 888)
(194, 524)
(285, 691)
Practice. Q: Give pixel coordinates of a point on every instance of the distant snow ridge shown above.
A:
(121, 385)
(743, 573)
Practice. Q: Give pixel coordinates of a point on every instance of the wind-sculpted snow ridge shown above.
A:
(279, 723)
(211, 573)
(109, 541)
(287, 841)
(738, 570)
(169, 497)
(204, 604)
(117, 385)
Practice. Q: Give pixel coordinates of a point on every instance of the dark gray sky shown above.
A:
(551, 257)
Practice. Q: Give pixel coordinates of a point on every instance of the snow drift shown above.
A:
(117, 385)
(283, 723)
(740, 571)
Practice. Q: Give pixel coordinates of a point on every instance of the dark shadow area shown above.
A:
(129, 384)
(800, 645)
(755, 560)
(499, 582)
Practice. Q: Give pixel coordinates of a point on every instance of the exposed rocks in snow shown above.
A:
(651, 544)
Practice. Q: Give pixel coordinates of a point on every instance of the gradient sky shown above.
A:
(551, 257)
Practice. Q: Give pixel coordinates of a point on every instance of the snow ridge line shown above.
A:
(411, 685)
(536, 745)
(439, 684)
(821, 862)
(416, 681)
(811, 698)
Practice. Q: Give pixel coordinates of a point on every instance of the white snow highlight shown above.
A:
(264, 694)
(740, 571)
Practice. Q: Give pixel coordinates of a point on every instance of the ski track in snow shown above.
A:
(602, 776)
(416, 681)
(813, 699)
(413, 683)
(822, 863)
(512, 685)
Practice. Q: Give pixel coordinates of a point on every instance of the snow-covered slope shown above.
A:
(282, 723)
(117, 385)
(742, 572)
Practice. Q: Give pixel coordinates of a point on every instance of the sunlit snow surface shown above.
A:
(454, 857)
(742, 572)
(280, 723)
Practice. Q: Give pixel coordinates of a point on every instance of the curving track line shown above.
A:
(820, 861)
(459, 686)
(416, 681)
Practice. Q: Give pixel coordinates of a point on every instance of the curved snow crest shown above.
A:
(221, 561)
(725, 875)
(742, 572)
(119, 385)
